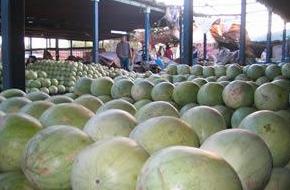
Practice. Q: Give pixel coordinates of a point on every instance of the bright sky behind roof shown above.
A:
(257, 15)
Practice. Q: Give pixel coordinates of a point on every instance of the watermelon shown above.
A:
(286, 70)
(271, 97)
(240, 114)
(36, 109)
(60, 99)
(102, 86)
(220, 70)
(10, 93)
(210, 94)
(14, 181)
(139, 104)
(142, 90)
(273, 71)
(205, 121)
(162, 91)
(161, 132)
(105, 99)
(66, 114)
(83, 86)
(279, 179)
(262, 80)
(122, 88)
(238, 94)
(49, 155)
(233, 71)
(246, 152)
(91, 102)
(274, 130)
(187, 107)
(226, 113)
(196, 70)
(283, 83)
(118, 104)
(109, 124)
(107, 164)
(183, 69)
(199, 81)
(255, 71)
(182, 167)
(156, 109)
(171, 69)
(13, 105)
(15, 132)
(37, 96)
(208, 71)
(185, 93)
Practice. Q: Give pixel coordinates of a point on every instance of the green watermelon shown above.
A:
(118, 104)
(15, 132)
(156, 109)
(37, 96)
(91, 102)
(210, 94)
(83, 86)
(14, 181)
(108, 164)
(205, 121)
(142, 90)
(66, 114)
(60, 99)
(10, 93)
(246, 152)
(122, 88)
(226, 113)
(162, 91)
(49, 155)
(13, 105)
(102, 86)
(182, 167)
(274, 130)
(279, 179)
(36, 109)
(238, 94)
(161, 132)
(273, 71)
(185, 93)
(240, 114)
(271, 97)
(139, 104)
(109, 124)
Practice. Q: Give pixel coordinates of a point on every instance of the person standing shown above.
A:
(124, 53)
(168, 52)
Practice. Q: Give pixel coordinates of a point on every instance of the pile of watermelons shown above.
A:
(191, 128)
(58, 77)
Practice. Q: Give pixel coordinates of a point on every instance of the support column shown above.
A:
(187, 37)
(96, 31)
(204, 46)
(284, 42)
(13, 49)
(56, 50)
(181, 35)
(147, 33)
(30, 46)
(242, 53)
(71, 48)
(269, 37)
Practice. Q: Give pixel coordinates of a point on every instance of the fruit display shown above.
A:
(194, 128)
(58, 77)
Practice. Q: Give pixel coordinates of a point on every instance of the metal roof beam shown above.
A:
(141, 5)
